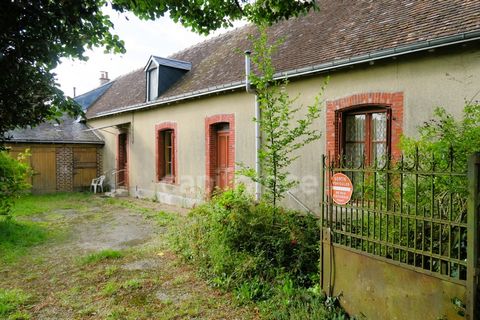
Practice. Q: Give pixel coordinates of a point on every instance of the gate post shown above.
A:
(473, 233)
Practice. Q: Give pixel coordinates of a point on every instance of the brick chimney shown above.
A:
(103, 77)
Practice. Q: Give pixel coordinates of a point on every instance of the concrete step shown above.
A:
(118, 193)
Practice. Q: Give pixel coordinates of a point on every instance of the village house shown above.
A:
(177, 128)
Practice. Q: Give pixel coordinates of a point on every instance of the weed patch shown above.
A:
(101, 256)
(33, 204)
(110, 288)
(17, 237)
(133, 284)
(10, 301)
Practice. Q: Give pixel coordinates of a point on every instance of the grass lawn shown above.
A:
(79, 256)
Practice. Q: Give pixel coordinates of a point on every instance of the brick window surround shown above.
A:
(394, 101)
(210, 147)
(169, 125)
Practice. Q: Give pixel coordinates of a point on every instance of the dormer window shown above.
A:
(162, 73)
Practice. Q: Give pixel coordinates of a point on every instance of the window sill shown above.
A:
(168, 180)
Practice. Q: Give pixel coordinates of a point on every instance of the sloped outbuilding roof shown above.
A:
(341, 33)
(67, 130)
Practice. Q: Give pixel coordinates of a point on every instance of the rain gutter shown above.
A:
(54, 141)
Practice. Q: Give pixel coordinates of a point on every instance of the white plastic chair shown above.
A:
(97, 182)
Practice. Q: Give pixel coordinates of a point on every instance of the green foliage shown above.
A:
(34, 35)
(30, 204)
(446, 142)
(460, 306)
(283, 131)
(293, 303)
(203, 16)
(10, 301)
(133, 284)
(17, 237)
(232, 239)
(110, 288)
(13, 180)
(263, 254)
(96, 257)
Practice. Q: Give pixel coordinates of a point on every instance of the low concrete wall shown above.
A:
(381, 290)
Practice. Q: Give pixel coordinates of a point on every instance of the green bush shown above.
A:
(233, 239)
(263, 254)
(13, 181)
(445, 143)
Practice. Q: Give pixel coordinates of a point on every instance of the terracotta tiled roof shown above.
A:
(341, 29)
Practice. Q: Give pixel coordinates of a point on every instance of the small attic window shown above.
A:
(152, 83)
(162, 73)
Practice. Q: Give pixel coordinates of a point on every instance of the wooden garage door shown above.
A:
(84, 167)
(43, 162)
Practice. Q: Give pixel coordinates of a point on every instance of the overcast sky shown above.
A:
(162, 37)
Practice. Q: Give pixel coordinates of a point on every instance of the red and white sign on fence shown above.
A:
(342, 188)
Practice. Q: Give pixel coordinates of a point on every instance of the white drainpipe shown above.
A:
(258, 140)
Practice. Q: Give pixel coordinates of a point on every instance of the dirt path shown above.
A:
(144, 281)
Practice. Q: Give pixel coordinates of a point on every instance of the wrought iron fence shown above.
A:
(412, 211)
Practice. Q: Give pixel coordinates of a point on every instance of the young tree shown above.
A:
(13, 180)
(35, 34)
(283, 132)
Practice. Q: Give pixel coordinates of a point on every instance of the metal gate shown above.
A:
(473, 243)
(419, 213)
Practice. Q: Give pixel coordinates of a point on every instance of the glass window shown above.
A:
(366, 136)
(166, 150)
(152, 84)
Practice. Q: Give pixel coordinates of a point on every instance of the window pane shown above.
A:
(379, 151)
(355, 138)
(379, 126)
(354, 153)
(167, 142)
(152, 84)
(355, 128)
(379, 138)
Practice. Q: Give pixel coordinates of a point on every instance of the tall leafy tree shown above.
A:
(35, 34)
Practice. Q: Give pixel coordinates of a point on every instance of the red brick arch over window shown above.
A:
(392, 100)
(168, 125)
(210, 147)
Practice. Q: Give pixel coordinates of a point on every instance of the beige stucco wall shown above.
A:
(442, 78)
(190, 119)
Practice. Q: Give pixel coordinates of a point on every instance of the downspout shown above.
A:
(258, 189)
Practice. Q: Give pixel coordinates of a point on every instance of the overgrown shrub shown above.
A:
(13, 180)
(261, 253)
(446, 143)
(233, 239)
